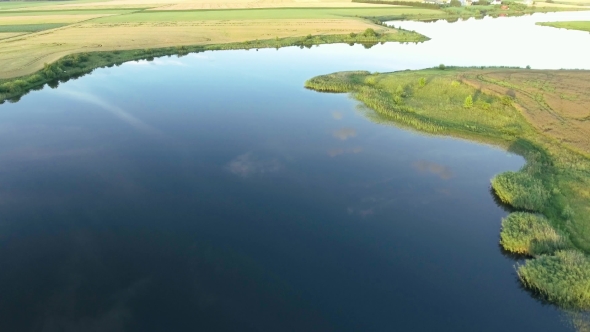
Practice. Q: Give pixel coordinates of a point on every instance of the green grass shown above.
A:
(434, 101)
(562, 278)
(575, 25)
(256, 14)
(30, 27)
(521, 190)
(530, 234)
(11, 5)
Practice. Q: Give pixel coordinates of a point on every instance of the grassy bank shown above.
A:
(541, 115)
(575, 25)
(73, 66)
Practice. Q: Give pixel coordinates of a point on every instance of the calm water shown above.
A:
(213, 193)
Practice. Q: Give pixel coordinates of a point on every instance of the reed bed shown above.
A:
(530, 234)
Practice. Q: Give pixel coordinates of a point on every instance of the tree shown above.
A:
(455, 3)
(468, 102)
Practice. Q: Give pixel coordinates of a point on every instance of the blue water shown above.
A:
(213, 192)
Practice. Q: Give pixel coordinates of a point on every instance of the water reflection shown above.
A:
(247, 165)
(337, 115)
(338, 152)
(344, 133)
(441, 171)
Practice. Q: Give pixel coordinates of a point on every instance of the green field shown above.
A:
(29, 27)
(514, 109)
(575, 25)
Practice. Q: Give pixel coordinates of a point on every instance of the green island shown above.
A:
(573, 25)
(539, 114)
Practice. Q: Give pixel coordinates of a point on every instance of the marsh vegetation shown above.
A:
(516, 109)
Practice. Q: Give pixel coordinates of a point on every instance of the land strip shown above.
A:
(574, 25)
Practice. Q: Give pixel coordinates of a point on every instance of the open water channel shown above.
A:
(213, 192)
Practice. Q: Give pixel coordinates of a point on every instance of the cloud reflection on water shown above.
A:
(344, 133)
(246, 165)
(441, 171)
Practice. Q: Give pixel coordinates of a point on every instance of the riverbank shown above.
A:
(541, 115)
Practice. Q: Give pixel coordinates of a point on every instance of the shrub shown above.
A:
(4, 88)
(370, 33)
(521, 190)
(468, 103)
(422, 82)
(352, 35)
(455, 3)
(563, 279)
(442, 67)
(506, 100)
(530, 234)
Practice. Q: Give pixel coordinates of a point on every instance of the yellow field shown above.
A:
(26, 54)
(4, 35)
(556, 103)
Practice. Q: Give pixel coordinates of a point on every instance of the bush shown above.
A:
(468, 103)
(563, 279)
(370, 33)
(521, 190)
(455, 3)
(506, 100)
(352, 35)
(422, 82)
(442, 67)
(530, 234)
